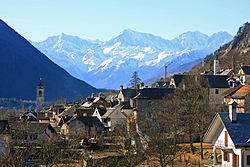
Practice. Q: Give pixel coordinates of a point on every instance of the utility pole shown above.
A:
(166, 66)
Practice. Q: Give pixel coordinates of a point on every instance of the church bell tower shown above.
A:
(40, 96)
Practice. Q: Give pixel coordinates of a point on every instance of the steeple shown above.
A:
(39, 96)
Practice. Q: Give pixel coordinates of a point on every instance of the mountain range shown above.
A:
(231, 55)
(108, 64)
(21, 66)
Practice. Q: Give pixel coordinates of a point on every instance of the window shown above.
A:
(216, 91)
(248, 159)
(226, 139)
(235, 158)
(225, 156)
(40, 93)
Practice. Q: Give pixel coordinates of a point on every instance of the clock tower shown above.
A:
(40, 96)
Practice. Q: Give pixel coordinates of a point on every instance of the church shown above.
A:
(40, 96)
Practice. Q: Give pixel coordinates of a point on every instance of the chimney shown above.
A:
(216, 66)
(233, 111)
(92, 95)
(121, 87)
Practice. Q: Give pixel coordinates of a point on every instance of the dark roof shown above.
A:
(231, 91)
(90, 121)
(90, 99)
(178, 79)
(239, 131)
(162, 84)
(87, 111)
(217, 81)
(246, 69)
(154, 93)
(129, 93)
(102, 110)
(126, 105)
(4, 126)
(114, 103)
(64, 119)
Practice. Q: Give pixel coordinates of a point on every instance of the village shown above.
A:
(134, 126)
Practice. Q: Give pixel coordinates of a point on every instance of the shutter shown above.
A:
(233, 160)
(226, 139)
(238, 162)
(227, 156)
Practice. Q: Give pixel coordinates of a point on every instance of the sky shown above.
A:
(104, 19)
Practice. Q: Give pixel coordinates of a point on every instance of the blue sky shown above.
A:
(103, 19)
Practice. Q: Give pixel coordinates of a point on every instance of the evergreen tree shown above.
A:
(135, 80)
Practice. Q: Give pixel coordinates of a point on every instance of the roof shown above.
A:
(154, 93)
(217, 81)
(231, 91)
(239, 91)
(239, 131)
(37, 128)
(129, 93)
(111, 110)
(102, 110)
(90, 99)
(246, 69)
(82, 111)
(227, 72)
(126, 105)
(178, 79)
(162, 84)
(90, 121)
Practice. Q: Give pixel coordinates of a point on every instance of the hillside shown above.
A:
(232, 54)
(21, 66)
(108, 64)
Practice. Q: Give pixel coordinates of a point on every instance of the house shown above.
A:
(26, 132)
(99, 112)
(85, 125)
(244, 74)
(29, 116)
(229, 132)
(126, 94)
(4, 137)
(95, 102)
(239, 94)
(44, 116)
(148, 97)
(217, 85)
(84, 112)
(113, 118)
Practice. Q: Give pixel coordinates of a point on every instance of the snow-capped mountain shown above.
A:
(111, 63)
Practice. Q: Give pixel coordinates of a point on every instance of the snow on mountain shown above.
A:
(111, 63)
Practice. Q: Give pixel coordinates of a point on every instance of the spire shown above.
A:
(40, 84)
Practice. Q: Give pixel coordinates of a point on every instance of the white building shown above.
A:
(230, 132)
